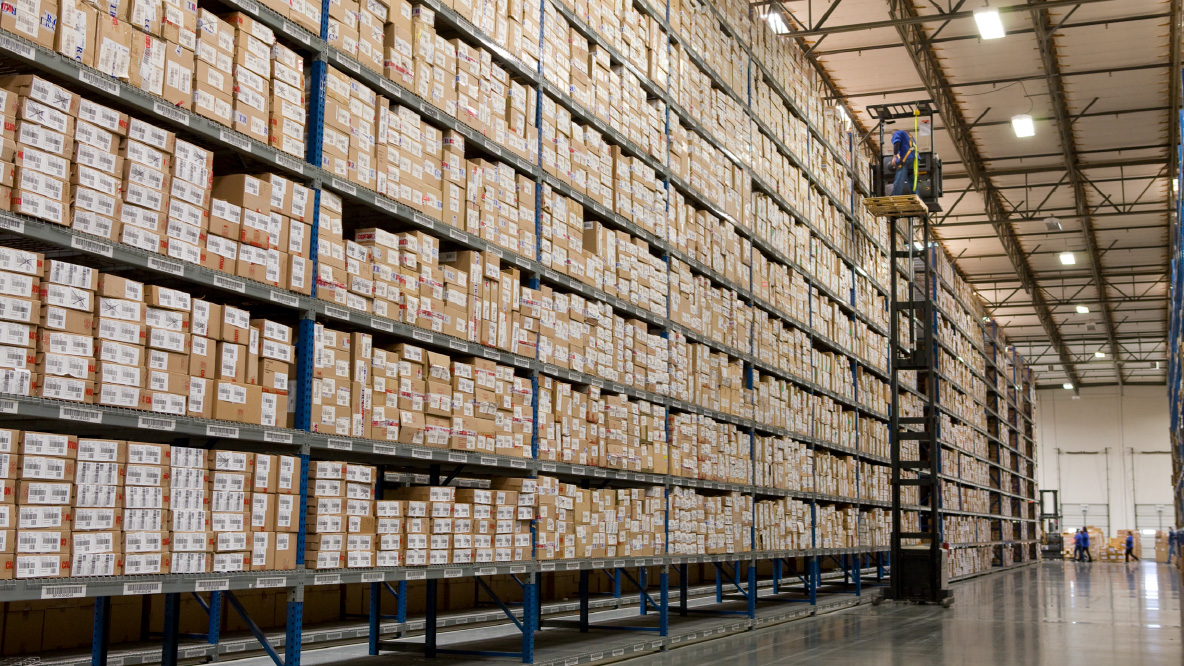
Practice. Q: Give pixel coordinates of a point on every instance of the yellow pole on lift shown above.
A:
(916, 135)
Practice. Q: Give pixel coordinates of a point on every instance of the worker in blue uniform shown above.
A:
(1077, 545)
(1085, 546)
(1130, 548)
(904, 159)
(1173, 539)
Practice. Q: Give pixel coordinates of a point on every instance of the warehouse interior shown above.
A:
(570, 332)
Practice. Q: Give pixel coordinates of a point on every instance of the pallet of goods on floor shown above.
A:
(311, 307)
(985, 407)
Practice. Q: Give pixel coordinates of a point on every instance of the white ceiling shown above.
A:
(1114, 60)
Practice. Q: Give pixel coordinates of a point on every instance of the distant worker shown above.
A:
(1085, 546)
(1077, 546)
(1130, 548)
(904, 159)
(1173, 540)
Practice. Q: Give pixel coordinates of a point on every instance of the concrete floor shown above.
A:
(1055, 613)
(1058, 613)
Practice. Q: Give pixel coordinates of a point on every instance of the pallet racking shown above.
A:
(813, 188)
(1175, 343)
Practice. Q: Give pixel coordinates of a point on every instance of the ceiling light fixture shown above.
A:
(1023, 125)
(776, 23)
(1099, 354)
(1081, 309)
(1052, 224)
(1067, 259)
(1068, 386)
(990, 25)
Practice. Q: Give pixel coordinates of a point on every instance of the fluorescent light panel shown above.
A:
(990, 25)
(1023, 125)
(1068, 386)
(1082, 309)
(1067, 259)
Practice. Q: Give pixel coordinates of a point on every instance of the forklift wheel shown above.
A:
(947, 602)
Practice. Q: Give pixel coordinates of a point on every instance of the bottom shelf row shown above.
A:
(89, 508)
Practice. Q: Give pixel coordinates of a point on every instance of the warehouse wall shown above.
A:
(1128, 423)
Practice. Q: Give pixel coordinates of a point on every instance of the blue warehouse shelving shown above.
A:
(747, 588)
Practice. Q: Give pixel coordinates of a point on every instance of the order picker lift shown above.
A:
(920, 557)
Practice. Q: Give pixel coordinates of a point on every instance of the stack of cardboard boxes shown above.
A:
(836, 527)
(105, 339)
(709, 524)
(97, 507)
(430, 525)
(710, 379)
(342, 517)
(874, 482)
(588, 428)
(703, 448)
(404, 393)
(875, 527)
(783, 524)
(780, 462)
(575, 522)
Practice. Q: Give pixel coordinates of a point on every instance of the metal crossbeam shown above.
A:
(915, 19)
(928, 67)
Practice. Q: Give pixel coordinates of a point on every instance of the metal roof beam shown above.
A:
(912, 35)
(975, 36)
(1013, 79)
(916, 19)
(1056, 168)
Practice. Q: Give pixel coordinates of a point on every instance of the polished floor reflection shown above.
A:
(1060, 613)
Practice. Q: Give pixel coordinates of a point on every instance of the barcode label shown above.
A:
(456, 234)
(227, 283)
(486, 571)
(386, 204)
(373, 577)
(88, 245)
(63, 591)
(345, 187)
(423, 336)
(76, 414)
(277, 437)
(288, 162)
(235, 647)
(492, 355)
(326, 579)
(421, 453)
(598, 472)
(151, 423)
(488, 460)
(273, 581)
(385, 449)
(547, 467)
(142, 588)
(12, 224)
(341, 444)
(518, 569)
(170, 267)
(520, 464)
(284, 298)
(212, 585)
(336, 312)
(454, 573)
(291, 30)
(8, 407)
(193, 652)
(458, 345)
(457, 457)
(229, 432)
(16, 47)
(99, 81)
(424, 220)
(383, 324)
(171, 112)
(416, 575)
(235, 139)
